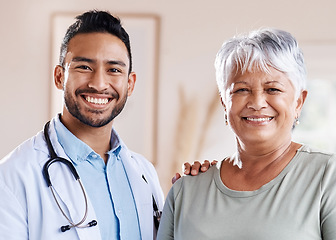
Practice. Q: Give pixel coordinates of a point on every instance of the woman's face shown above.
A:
(262, 107)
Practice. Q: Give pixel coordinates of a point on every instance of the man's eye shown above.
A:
(115, 70)
(83, 67)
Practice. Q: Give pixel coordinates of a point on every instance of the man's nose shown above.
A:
(99, 80)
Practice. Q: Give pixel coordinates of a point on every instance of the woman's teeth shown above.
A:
(259, 119)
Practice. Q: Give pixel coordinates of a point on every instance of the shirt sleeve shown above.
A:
(328, 201)
(166, 228)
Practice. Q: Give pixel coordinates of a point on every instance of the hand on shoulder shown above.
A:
(194, 169)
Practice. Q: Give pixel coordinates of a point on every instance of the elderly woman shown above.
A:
(272, 188)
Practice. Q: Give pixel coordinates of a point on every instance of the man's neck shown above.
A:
(97, 138)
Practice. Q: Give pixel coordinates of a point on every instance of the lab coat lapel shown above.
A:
(141, 192)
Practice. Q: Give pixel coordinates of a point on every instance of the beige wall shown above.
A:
(191, 33)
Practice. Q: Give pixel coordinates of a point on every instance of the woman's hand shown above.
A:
(194, 169)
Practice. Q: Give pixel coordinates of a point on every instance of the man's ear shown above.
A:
(131, 83)
(300, 101)
(59, 77)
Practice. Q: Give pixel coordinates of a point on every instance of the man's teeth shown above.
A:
(259, 119)
(97, 100)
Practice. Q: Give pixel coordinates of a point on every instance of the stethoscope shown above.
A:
(54, 158)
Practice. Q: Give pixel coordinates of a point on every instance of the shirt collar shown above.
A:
(115, 144)
(75, 148)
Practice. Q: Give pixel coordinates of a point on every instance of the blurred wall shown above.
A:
(191, 32)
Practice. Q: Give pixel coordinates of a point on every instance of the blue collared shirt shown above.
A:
(107, 185)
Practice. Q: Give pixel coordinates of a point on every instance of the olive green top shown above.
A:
(299, 204)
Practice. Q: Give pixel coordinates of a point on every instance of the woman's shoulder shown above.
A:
(314, 159)
(202, 176)
(189, 183)
(315, 154)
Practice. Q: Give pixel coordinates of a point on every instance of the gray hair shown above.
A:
(258, 51)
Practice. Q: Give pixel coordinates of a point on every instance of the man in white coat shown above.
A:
(121, 188)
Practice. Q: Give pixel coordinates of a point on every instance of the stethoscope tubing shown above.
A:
(63, 213)
(54, 158)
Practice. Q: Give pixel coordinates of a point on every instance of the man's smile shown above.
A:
(96, 100)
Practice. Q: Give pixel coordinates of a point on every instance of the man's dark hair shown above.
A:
(96, 22)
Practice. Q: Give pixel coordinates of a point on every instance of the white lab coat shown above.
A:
(29, 211)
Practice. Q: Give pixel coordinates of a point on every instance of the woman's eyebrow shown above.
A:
(272, 82)
(240, 82)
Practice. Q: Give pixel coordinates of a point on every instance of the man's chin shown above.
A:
(96, 123)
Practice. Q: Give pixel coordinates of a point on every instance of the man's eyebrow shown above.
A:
(89, 60)
(82, 59)
(116, 62)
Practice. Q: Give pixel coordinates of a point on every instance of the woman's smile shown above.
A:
(258, 120)
(261, 106)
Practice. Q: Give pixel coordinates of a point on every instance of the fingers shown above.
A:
(195, 168)
(205, 166)
(214, 162)
(187, 168)
(176, 177)
(191, 169)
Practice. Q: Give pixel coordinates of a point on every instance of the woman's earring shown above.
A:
(297, 122)
(226, 119)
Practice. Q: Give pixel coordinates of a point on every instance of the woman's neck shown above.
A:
(257, 166)
(259, 157)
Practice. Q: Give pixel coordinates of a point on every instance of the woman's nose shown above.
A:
(257, 100)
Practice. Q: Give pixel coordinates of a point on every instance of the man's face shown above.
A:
(95, 78)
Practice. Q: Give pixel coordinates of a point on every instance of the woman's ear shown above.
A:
(223, 104)
(225, 113)
(300, 101)
(59, 77)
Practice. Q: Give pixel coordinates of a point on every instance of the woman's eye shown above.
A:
(241, 90)
(273, 90)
